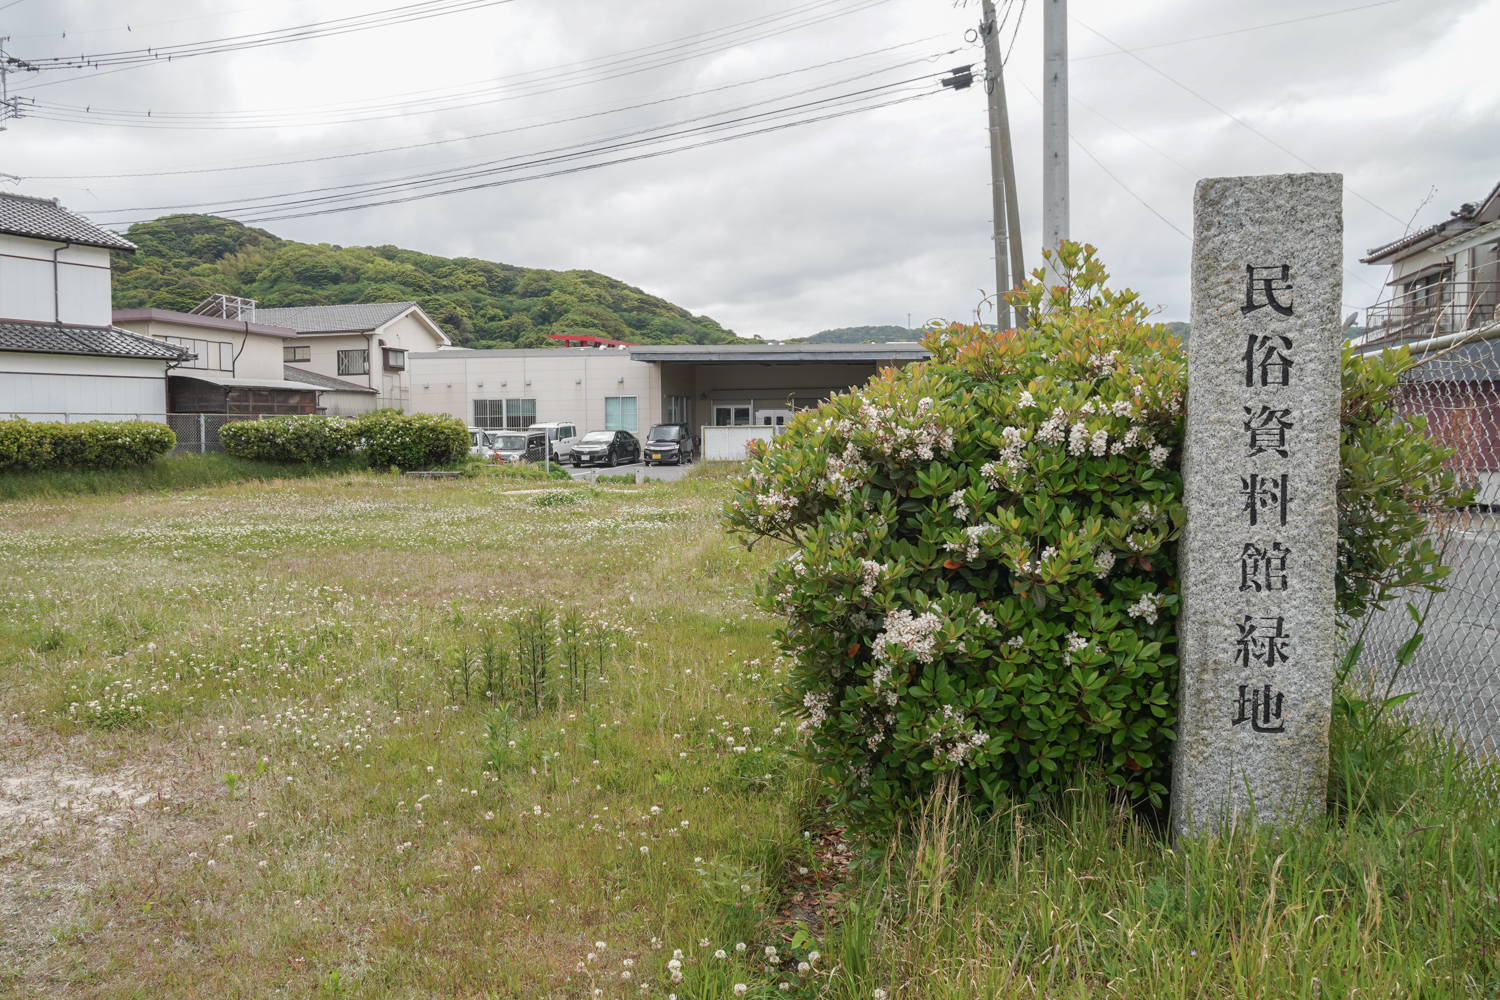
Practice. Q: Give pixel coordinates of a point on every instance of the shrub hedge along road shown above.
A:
(388, 437)
(983, 574)
(28, 446)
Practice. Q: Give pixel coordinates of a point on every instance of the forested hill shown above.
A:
(185, 258)
(861, 335)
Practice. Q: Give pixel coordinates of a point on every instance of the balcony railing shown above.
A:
(1436, 311)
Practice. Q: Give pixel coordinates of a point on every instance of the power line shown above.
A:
(595, 166)
(404, 14)
(313, 209)
(484, 135)
(1239, 121)
(1238, 31)
(1100, 164)
(655, 134)
(368, 112)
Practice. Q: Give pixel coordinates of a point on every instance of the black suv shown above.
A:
(669, 443)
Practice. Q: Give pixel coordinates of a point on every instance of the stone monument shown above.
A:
(1260, 467)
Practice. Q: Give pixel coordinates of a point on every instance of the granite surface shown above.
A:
(1260, 467)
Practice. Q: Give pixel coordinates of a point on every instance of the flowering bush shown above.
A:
(290, 439)
(98, 444)
(983, 572)
(412, 440)
(388, 437)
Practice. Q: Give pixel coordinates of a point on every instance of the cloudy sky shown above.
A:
(876, 211)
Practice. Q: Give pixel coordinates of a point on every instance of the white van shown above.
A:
(561, 436)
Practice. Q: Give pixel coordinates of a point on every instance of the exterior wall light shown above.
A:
(528, 381)
(424, 385)
(502, 381)
(578, 381)
(620, 379)
(481, 383)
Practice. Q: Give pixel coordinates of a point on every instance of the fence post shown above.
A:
(202, 434)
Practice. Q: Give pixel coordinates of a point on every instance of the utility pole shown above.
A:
(1054, 122)
(10, 107)
(1005, 205)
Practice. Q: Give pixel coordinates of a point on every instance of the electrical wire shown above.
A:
(1100, 164)
(654, 134)
(595, 166)
(1237, 31)
(354, 113)
(484, 135)
(1239, 121)
(404, 14)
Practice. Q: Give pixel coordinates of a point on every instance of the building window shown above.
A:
(520, 413)
(217, 355)
(679, 410)
(395, 359)
(354, 362)
(619, 413)
(489, 414)
(303, 353)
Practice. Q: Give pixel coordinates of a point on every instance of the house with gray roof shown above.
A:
(361, 345)
(61, 356)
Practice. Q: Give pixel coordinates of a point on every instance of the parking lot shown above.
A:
(666, 473)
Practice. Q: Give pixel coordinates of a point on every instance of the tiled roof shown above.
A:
(324, 381)
(45, 219)
(101, 341)
(357, 317)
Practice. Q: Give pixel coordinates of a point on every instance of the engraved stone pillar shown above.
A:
(1260, 466)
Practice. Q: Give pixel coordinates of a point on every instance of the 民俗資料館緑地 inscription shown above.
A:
(1260, 464)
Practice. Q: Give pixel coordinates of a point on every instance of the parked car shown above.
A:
(519, 446)
(606, 448)
(669, 443)
(562, 435)
(482, 442)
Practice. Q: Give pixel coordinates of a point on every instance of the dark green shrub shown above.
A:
(412, 440)
(98, 444)
(291, 439)
(983, 577)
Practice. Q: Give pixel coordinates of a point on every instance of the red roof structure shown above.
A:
(587, 340)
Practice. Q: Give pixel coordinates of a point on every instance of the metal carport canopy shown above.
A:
(780, 354)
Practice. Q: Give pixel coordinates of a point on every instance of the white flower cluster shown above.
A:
(873, 571)
(1076, 644)
(949, 739)
(973, 535)
(900, 437)
(1148, 607)
(914, 633)
(847, 471)
(957, 504)
(817, 711)
(1104, 561)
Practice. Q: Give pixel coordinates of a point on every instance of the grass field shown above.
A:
(285, 739)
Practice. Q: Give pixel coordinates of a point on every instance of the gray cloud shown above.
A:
(863, 219)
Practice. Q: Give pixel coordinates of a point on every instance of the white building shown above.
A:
(631, 388)
(60, 356)
(362, 344)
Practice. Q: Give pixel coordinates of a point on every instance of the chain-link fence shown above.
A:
(198, 433)
(1456, 670)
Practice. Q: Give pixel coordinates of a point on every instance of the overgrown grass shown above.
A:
(1082, 897)
(331, 799)
(185, 472)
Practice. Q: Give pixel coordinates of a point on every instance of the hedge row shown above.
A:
(388, 438)
(27, 446)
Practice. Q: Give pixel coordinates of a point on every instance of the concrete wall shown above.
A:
(568, 383)
(244, 354)
(27, 288)
(407, 333)
(72, 387)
